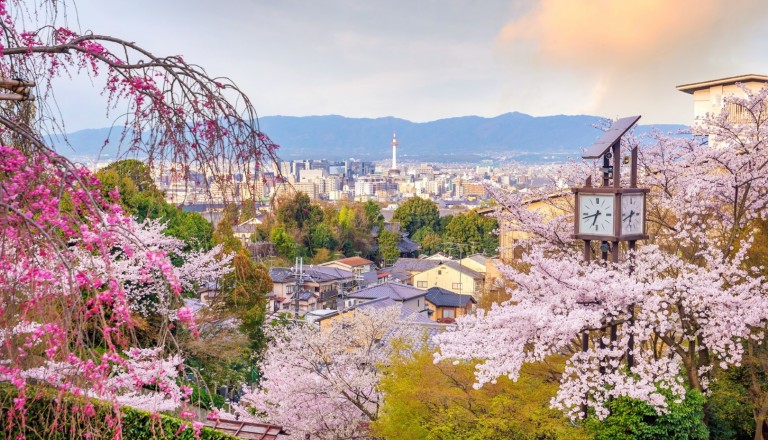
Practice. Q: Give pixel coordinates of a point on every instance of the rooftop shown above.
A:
(690, 88)
(395, 291)
(317, 274)
(353, 261)
(445, 298)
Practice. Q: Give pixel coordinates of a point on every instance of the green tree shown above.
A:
(430, 241)
(473, 230)
(633, 419)
(373, 213)
(284, 243)
(140, 197)
(322, 237)
(388, 251)
(416, 213)
(424, 400)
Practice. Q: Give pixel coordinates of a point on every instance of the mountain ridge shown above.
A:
(460, 138)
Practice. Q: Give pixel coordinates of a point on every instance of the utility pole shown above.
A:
(298, 273)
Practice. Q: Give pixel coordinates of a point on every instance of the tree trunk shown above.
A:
(760, 418)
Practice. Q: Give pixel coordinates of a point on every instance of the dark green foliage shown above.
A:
(51, 415)
(416, 213)
(731, 406)
(430, 241)
(474, 231)
(634, 419)
(388, 251)
(140, 197)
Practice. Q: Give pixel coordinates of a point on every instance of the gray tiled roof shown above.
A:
(395, 291)
(445, 298)
(414, 264)
(320, 274)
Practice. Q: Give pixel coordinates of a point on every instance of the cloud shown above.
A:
(621, 54)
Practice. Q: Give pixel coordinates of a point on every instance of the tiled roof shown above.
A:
(445, 298)
(319, 274)
(395, 291)
(414, 264)
(406, 245)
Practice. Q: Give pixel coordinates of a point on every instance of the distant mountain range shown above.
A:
(469, 138)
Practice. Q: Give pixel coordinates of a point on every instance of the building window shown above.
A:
(449, 313)
(421, 284)
(456, 286)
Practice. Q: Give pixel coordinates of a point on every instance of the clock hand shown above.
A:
(631, 213)
(588, 216)
(597, 214)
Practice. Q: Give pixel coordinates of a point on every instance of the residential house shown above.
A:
(453, 276)
(476, 262)
(318, 288)
(246, 229)
(357, 265)
(409, 296)
(446, 306)
(408, 316)
(409, 267)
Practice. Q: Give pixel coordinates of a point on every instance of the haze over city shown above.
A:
(431, 60)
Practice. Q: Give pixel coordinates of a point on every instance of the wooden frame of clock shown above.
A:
(610, 213)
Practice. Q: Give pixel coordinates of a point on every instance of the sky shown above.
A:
(431, 59)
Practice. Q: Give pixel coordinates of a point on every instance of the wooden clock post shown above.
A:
(610, 213)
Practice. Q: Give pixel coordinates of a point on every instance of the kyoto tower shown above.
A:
(394, 150)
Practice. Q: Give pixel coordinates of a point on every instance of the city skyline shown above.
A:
(431, 61)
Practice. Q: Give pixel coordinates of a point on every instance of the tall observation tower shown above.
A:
(394, 150)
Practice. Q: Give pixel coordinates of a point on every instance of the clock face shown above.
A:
(596, 214)
(632, 214)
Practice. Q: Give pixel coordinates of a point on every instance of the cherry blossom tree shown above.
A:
(325, 382)
(76, 271)
(696, 299)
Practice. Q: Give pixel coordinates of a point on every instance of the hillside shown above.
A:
(465, 138)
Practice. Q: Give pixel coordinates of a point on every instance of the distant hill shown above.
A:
(467, 138)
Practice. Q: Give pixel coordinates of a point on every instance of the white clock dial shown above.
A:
(596, 214)
(632, 206)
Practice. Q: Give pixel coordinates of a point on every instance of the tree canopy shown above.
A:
(416, 213)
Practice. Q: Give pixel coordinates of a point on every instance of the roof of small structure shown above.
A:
(247, 430)
(445, 298)
(692, 87)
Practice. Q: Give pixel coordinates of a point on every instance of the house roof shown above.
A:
(461, 268)
(406, 245)
(318, 274)
(395, 291)
(414, 264)
(353, 261)
(445, 298)
(692, 87)
(406, 313)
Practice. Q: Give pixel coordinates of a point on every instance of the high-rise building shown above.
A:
(394, 150)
